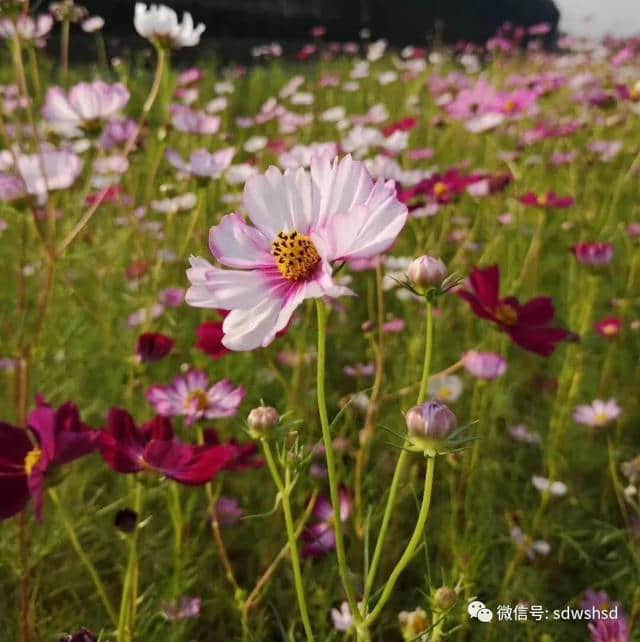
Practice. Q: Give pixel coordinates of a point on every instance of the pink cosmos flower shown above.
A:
(514, 103)
(302, 222)
(598, 414)
(202, 163)
(192, 121)
(190, 76)
(320, 537)
(84, 106)
(595, 254)
(117, 132)
(191, 396)
(38, 174)
(609, 327)
(472, 102)
(484, 365)
(27, 27)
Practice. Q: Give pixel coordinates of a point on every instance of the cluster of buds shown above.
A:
(68, 11)
(430, 425)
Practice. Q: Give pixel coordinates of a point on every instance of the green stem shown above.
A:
(331, 466)
(84, 558)
(64, 51)
(402, 460)
(415, 540)
(284, 490)
(126, 620)
(428, 350)
(386, 519)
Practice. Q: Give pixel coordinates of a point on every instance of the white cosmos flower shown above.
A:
(159, 24)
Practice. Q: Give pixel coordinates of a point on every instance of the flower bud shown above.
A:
(261, 420)
(430, 423)
(445, 598)
(427, 271)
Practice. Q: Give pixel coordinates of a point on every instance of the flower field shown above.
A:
(398, 286)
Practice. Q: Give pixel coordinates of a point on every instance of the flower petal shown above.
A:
(238, 245)
(212, 287)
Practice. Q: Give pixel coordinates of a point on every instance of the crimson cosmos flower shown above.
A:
(153, 346)
(550, 199)
(404, 125)
(210, 334)
(527, 325)
(53, 438)
(127, 448)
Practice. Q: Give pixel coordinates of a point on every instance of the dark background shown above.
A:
(289, 21)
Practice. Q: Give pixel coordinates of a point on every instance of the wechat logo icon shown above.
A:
(477, 610)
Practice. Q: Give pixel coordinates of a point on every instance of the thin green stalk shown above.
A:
(284, 489)
(202, 197)
(428, 351)
(84, 558)
(64, 50)
(384, 527)
(331, 466)
(402, 460)
(415, 540)
(126, 619)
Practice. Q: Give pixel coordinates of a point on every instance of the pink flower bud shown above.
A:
(431, 422)
(261, 420)
(427, 271)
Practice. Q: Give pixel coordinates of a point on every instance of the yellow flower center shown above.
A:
(445, 393)
(440, 188)
(542, 200)
(31, 460)
(510, 106)
(609, 329)
(601, 418)
(296, 255)
(506, 314)
(200, 399)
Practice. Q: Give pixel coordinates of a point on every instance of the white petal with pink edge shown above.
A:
(238, 245)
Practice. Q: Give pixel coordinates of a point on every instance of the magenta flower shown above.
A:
(57, 438)
(228, 511)
(616, 630)
(127, 448)
(548, 200)
(302, 222)
(192, 397)
(203, 164)
(320, 537)
(595, 254)
(85, 106)
(192, 121)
